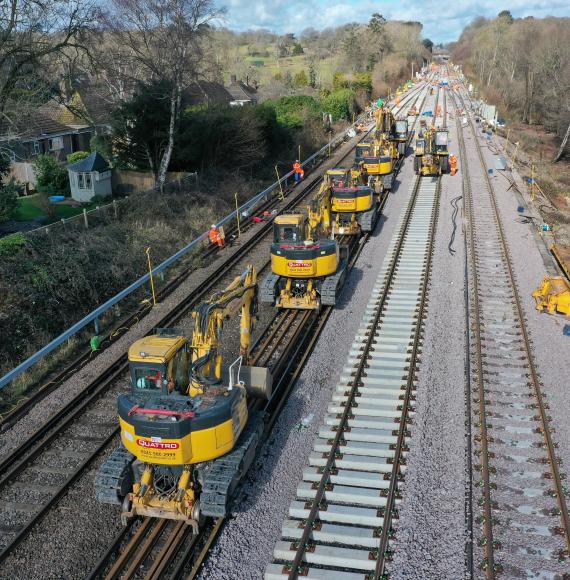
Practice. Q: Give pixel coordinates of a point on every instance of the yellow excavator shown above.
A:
(354, 207)
(431, 153)
(375, 159)
(308, 268)
(187, 438)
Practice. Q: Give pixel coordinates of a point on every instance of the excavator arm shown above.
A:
(239, 296)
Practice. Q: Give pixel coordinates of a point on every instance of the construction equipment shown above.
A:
(401, 135)
(553, 295)
(354, 206)
(431, 154)
(308, 269)
(375, 159)
(187, 437)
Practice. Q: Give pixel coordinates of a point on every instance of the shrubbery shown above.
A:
(341, 104)
(51, 177)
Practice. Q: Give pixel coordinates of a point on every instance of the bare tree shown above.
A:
(35, 39)
(159, 40)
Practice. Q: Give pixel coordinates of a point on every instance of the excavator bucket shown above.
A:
(553, 295)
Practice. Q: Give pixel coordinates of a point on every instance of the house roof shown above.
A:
(94, 162)
(241, 91)
(207, 92)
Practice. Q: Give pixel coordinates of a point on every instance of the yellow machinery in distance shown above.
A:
(553, 295)
(431, 153)
(354, 206)
(375, 159)
(187, 437)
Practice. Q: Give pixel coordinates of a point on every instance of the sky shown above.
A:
(443, 21)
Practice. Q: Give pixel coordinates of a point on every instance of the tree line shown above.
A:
(522, 65)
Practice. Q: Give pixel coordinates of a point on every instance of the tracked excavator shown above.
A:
(308, 268)
(354, 206)
(375, 159)
(187, 437)
(431, 153)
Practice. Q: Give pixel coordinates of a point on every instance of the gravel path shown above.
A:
(245, 545)
(430, 533)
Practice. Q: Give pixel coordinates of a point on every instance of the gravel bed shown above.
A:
(430, 533)
(72, 537)
(550, 346)
(245, 545)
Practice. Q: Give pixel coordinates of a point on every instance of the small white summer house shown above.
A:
(90, 177)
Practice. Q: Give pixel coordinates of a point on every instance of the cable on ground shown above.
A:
(454, 204)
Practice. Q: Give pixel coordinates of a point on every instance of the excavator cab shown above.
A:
(289, 229)
(159, 364)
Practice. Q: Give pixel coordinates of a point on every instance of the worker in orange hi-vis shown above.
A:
(216, 236)
(453, 164)
(299, 173)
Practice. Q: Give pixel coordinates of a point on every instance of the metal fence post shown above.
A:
(237, 215)
(147, 250)
(85, 219)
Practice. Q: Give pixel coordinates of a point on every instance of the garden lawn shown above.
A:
(29, 209)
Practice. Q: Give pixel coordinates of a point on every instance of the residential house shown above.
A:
(57, 128)
(206, 93)
(242, 93)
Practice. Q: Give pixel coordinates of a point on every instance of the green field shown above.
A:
(30, 209)
(266, 67)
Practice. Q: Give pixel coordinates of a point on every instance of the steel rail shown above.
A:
(476, 328)
(491, 566)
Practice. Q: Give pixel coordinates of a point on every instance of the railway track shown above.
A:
(340, 524)
(30, 485)
(283, 347)
(524, 524)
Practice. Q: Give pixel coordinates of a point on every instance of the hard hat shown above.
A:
(213, 226)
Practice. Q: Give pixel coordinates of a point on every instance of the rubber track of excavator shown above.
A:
(267, 289)
(220, 477)
(331, 286)
(115, 477)
(367, 219)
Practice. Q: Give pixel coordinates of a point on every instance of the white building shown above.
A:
(90, 177)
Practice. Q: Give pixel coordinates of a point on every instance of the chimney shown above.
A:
(233, 79)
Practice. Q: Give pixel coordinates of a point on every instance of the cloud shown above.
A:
(440, 24)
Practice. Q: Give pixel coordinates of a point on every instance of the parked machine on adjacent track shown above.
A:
(354, 206)
(308, 268)
(376, 159)
(187, 437)
(431, 153)
(401, 135)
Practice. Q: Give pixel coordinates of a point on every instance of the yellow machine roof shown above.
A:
(292, 218)
(155, 349)
(337, 171)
